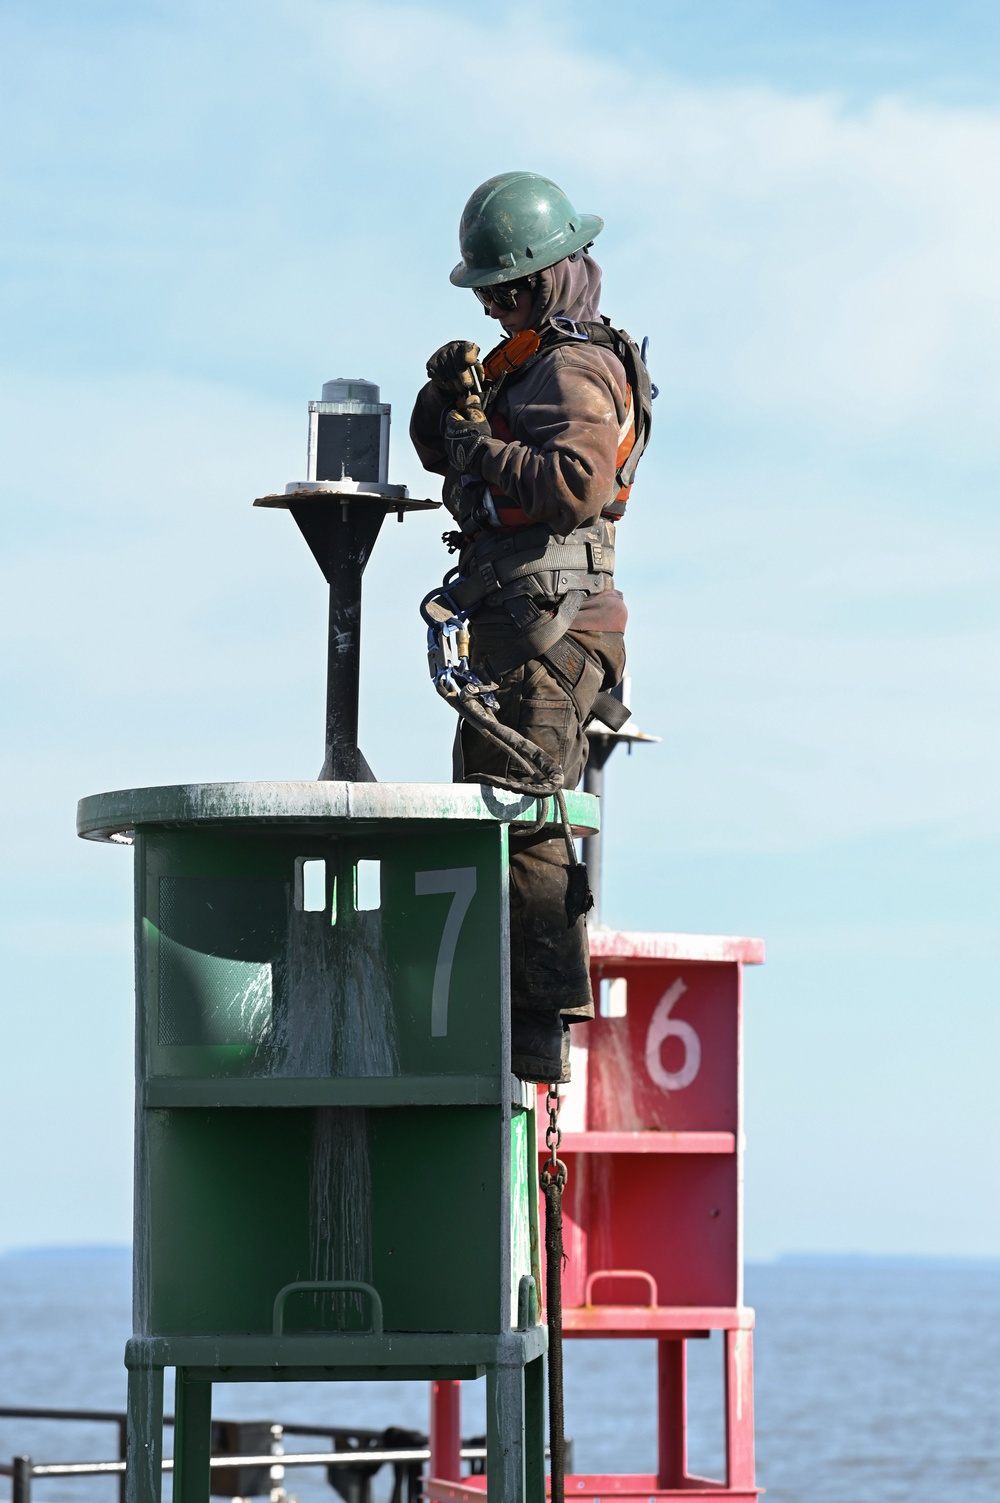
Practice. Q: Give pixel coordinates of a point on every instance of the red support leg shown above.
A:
(739, 1409)
(446, 1431)
(672, 1413)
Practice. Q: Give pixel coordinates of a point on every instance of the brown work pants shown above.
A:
(549, 957)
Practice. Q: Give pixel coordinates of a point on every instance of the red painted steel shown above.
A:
(634, 946)
(739, 1409)
(640, 1320)
(649, 1142)
(653, 1140)
(653, 1208)
(446, 1430)
(642, 1486)
(671, 1403)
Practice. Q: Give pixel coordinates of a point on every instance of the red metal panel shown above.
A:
(672, 1062)
(671, 1215)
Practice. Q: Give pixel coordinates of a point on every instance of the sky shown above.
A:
(210, 210)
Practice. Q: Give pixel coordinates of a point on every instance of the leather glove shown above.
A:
(465, 436)
(472, 506)
(455, 368)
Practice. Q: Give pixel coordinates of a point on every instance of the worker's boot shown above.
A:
(539, 1047)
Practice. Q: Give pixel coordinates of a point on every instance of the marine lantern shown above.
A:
(339, 509)
(349, 433)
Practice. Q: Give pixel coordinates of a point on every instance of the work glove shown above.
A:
(455, 368)
(465, 436)
(472, 506)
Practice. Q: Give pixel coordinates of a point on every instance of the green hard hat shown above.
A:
(517, 223)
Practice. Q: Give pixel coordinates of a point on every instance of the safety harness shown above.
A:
(522, 568)
(539, 580)
(512, 358)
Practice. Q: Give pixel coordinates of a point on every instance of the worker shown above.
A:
(534, 443)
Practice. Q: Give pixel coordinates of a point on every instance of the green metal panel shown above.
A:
(521, 1185)
(228, 1205)
(245, 1202)
(438, 1221)
(239, 980)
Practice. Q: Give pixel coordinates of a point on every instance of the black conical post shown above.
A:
(341, 534)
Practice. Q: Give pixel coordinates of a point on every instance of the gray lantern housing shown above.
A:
(349, 433)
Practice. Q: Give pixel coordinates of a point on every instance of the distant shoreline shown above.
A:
(876, 1260)
(806, 1260)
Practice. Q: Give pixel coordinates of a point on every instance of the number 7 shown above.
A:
(461, 881)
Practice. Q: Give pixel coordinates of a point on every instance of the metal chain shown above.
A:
(553, 1136)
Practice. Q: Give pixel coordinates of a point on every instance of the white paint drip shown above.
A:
(338, 1018)
(340, 1193)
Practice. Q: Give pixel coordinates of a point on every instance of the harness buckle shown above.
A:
(488, 575)
(595, 553)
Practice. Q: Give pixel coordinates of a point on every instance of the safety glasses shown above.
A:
(503, 294)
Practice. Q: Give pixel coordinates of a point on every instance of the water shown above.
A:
(875, 1383)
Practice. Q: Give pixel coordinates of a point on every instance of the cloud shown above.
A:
(211, 209)
(801, 259)
(796, 259)
(823, 293)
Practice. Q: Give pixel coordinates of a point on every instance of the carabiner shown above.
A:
(569, 327)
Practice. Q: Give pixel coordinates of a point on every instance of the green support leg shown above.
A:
(144, 1436)
(505, 1434)
(192, 1440)
(534, 1431)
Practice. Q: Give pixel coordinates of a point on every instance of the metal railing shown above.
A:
(22, 1470)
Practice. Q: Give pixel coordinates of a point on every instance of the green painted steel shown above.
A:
(333, 1161)
(515, 224)
(105, 816)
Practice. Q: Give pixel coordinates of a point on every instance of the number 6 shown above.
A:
(662, 1027)
(461, 881)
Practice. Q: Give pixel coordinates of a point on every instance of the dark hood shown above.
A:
(571, 288)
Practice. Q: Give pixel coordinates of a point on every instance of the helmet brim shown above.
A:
(591, 226)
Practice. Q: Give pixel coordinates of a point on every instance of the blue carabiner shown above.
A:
(654, 390)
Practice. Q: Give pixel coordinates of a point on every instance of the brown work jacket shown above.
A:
(565, 414)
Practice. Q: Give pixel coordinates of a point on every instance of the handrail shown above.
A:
(95, 1416)
(320, 1286)
(289, 1458)
(622, 1273)
(114, 1417)
(527, 1303)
